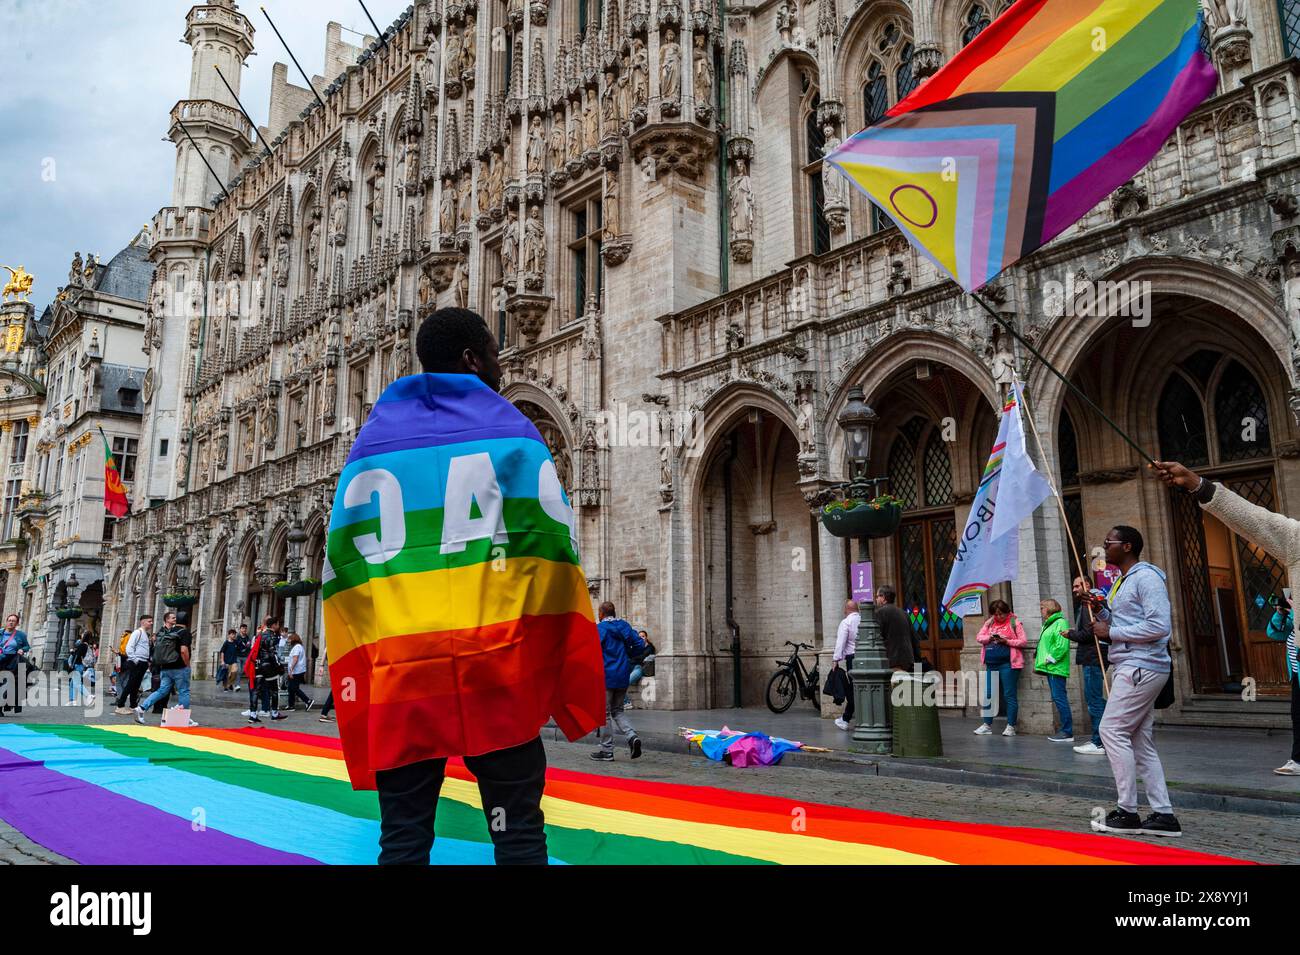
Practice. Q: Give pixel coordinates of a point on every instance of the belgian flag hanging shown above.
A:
(115, 501)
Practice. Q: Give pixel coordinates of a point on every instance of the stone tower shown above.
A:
(222, 38)
(182, 297)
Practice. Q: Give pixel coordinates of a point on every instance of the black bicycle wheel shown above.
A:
(781, 691)
(816, 691)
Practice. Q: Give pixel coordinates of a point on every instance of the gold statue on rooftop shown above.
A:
(19, 285)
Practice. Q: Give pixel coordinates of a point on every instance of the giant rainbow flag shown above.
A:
(260, 796)
(457, 616)
(1029, 126)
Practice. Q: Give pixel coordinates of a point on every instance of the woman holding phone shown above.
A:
(1001, 638)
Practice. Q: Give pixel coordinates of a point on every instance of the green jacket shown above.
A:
(1053, 643)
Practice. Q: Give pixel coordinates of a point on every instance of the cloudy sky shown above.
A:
(87, 89)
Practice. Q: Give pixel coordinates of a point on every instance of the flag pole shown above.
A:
(1074, 547)
(1069, 384)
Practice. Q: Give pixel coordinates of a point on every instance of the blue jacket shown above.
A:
(20, 644)
(616, 638)
(1140, 620)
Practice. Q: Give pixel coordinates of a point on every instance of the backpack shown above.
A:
(167, 651)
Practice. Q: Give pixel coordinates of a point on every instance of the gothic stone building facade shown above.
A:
(633, 192)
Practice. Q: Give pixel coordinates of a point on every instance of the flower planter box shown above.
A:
(68, 613)
(859, 519)
(296, 588)
(180, 601)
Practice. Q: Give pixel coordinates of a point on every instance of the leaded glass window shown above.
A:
(1067, 449)
(1289, 14)
(1262, 576)
(976, 22)
(902, 462)
(938, 471)
(911, 540)
(815, 143)
(1240, 416)
(943, 544)
(875, 94)
(1180, 420)
(906, 80)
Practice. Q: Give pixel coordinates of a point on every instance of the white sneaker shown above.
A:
(1289, 768)
(248, 713)
(841, 723)
(192, 723)
(139, 715)
(1090, 749)
(1009, 731)
(983, 730)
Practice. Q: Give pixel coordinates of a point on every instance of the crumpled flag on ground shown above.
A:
(743, 749)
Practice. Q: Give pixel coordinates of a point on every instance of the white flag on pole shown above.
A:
(988, 547)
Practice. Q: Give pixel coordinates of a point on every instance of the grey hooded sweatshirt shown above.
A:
(1140, 620)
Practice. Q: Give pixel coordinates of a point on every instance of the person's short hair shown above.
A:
(182, 616)
(607, 609)
(243, 626)
(446, 334)
(999, 606)
(1053, 604)
(230, 631)
(888, 593)
(1131, 536)
(144, 617)
(169, 613)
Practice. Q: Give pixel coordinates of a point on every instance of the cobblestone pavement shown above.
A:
(1240, 835)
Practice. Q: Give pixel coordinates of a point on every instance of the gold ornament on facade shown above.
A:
(19, 286)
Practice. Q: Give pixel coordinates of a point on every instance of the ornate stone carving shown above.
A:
(675, 147)
(529, 312)
(670, 74)
(534, 250)
(1128, 200)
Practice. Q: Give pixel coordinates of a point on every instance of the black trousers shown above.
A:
(130, 678)
(510, 782)
(1295, 716)
(295, 690)
(851, 703)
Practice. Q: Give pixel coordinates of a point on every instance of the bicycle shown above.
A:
(791, 679)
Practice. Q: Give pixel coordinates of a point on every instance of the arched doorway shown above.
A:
(1200, 386)
(757, 557)
(934, 434)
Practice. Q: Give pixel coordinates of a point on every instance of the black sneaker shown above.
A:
(1119, 820)
(309, 703)
(1161, 824)
(253, 719)
(634, 744)
(603, 756)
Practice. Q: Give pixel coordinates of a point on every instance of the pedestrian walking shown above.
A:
(1002, 639)
(245, 645)
(326, 711)
(264, 678)
(1052, 659)
(1136, 621)
(120, 675)
(618, 643)
(139, 647)
(297, 667)
(1279, 536)
(229, 660)
(172, 657)
(1092, 664)
(639, 663)
(76, 667)
(14, 648)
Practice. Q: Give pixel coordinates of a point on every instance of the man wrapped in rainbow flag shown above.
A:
(457, 618)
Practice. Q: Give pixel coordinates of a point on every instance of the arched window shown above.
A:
(905, 80)
(1240, 416)
(1289, 11)
(814, 143)
(875, 94)
(901, 471)
(1180, 421)
(887, 77)
(1067, 451)
(975, 22)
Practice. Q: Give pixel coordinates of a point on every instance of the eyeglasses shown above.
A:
(1110, 540)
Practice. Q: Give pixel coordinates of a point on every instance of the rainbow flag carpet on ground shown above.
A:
(257, 796)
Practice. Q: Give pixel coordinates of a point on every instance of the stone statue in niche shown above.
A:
(536, 147)
(484, 192)
(640, 74)
(703, 73)
(534, 243)
(447, 210)
(834, 185)
(469, 50)
(557, 143)
(742, 200)
(431, 65)
(609, 118)
(575, 137)
(510, 246)
(591, 121)
(453, 54)
(612, 212)
(339, 219)
(670, 68)
(281, 274)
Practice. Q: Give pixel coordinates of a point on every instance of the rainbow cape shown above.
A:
(1029, 126)
(263, 797)
(457, 617)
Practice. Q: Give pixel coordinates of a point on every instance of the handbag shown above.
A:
(1166, 697)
